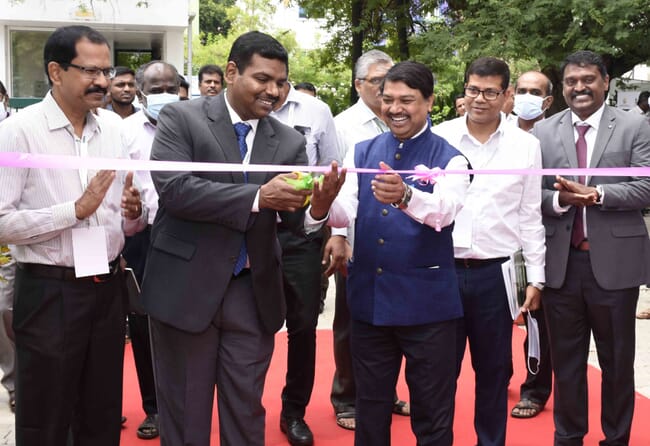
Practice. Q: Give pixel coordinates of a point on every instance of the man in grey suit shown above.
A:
(213, 283)
(597, 249)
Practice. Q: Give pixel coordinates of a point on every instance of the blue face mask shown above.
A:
(528, 106)
(156, 101)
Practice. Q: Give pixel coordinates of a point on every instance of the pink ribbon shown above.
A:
(426, 175)
(420, 172)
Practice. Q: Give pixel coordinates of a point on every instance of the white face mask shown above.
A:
(4, 113)
(528, 106)
(155, 102)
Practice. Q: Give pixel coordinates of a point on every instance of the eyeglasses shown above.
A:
(373, 80)
(92, 72)
(489, 94)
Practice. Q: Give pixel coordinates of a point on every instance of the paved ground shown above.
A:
(642, 366)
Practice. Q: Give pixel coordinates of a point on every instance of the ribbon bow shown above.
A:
(425, 175)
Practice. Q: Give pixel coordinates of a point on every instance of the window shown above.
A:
(28, 77)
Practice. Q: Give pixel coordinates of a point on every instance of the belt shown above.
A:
(67, 273)
(478, 263)
(582, 246)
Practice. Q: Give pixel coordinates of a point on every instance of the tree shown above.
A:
(213, 18)
(544, 31)
(359, 25)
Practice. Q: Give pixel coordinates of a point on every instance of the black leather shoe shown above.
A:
(298, 433)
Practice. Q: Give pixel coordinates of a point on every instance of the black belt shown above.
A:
(478, 263)
(67, 273)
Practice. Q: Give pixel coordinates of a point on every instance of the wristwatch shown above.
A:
(538, 285)
(403, 203)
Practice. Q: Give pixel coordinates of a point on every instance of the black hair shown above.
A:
(255, 42)
(61, 45)
(183, 82)
(414, 74)
(490, 66)
(583, 58)
(120, 71)
(305, 86)
(210, 69)
(643, 97)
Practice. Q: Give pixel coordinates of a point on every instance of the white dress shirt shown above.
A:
(353, 125)
(502, 213)
(137, 136)
(37, 206)
(313, 118)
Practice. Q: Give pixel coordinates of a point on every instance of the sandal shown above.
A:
(149, 428)
(526, 408)
(402, 408)
(346, 420)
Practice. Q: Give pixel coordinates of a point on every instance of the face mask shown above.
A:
(528, 106)
(155, 103)
(4, 113)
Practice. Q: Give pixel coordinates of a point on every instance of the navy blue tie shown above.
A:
(242, 129)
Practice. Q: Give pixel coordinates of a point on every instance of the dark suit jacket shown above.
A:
(204, 217)
(618, 238)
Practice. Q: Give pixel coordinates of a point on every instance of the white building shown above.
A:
(140, 29)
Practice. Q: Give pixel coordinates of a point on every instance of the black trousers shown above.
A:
(344, 391)
(430, 352)
(301, 268)
(70, 352)
(135, 254)
(574, 312)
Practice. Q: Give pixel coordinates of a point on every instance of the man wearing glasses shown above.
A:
(501, 215)
(67, 230)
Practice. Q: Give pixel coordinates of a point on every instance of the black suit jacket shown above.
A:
(203, 217)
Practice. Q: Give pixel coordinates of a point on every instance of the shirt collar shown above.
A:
(593, 120)
(56, 119)
(498, 132)
(292, 96)
(234, 117)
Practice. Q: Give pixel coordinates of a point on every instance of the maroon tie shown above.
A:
(578, 233)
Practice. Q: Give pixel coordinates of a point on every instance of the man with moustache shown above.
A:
(501, 215)
(122, 92)
(598, 251)
(157, 85)
(213, 282)
(210, 80)
(66, 228)
(360, 122)
(403, 295)
(533, 96)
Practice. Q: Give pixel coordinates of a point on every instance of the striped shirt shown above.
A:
(37, 211)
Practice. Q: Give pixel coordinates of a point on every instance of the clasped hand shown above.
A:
(575, 194)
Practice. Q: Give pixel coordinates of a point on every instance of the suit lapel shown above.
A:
(567, 137)
(265, 147)
(221, 127)
(605, 129)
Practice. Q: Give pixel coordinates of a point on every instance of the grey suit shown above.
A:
(208, 325)
(595, 290)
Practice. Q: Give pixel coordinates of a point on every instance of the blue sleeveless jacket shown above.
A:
(402, 272)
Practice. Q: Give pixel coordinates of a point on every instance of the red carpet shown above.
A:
(533, 432)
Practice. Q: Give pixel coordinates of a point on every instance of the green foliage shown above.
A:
(214, 18)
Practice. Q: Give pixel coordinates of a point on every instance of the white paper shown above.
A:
(89, 251)
(510, 281)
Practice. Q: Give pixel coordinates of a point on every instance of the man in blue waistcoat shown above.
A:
(402, 288)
